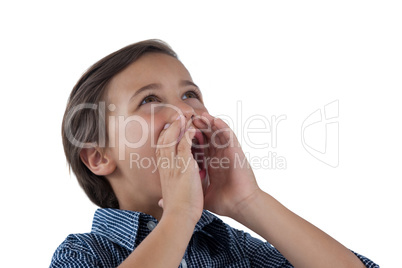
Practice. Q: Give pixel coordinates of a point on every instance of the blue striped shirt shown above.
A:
(116, 233)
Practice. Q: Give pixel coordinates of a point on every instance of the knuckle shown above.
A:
(182, 148)
(222, 122)
(158, 152)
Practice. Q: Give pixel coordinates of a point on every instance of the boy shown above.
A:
(153, 215)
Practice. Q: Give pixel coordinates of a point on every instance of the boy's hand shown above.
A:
(180, 180)
(232, 181)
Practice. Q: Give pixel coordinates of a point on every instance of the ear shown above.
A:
(101, 164)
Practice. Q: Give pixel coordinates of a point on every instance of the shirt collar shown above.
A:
(128, 228)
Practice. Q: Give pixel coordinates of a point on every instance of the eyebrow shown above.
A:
(187, 83)
(156, 86)
(145, 88)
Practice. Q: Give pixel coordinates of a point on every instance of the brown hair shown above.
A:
(83, 125)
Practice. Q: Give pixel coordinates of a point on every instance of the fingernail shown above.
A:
(178, 117)
(166, 126)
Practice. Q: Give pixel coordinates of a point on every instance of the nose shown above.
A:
(187, 110)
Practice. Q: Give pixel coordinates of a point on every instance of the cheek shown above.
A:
(140, 135)
(129, 134)
(135, 133)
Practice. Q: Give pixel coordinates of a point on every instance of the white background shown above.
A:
(278, 58)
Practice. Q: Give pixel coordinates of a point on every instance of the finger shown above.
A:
(221, 133)
(184, 146)
(224, 132)
(201, 122)
(205, 122)
(167, 140)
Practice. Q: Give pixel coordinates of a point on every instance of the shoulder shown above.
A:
(258, 253)
(88, 250)
(219, 229)
(75, 251)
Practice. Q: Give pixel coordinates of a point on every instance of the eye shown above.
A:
(191, 94)
(152, 98)
(149, 98)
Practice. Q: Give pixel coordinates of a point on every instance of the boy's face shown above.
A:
(134, 123)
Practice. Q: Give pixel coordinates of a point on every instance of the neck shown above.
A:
(154, 210)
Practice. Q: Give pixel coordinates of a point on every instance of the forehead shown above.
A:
(149, 68)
